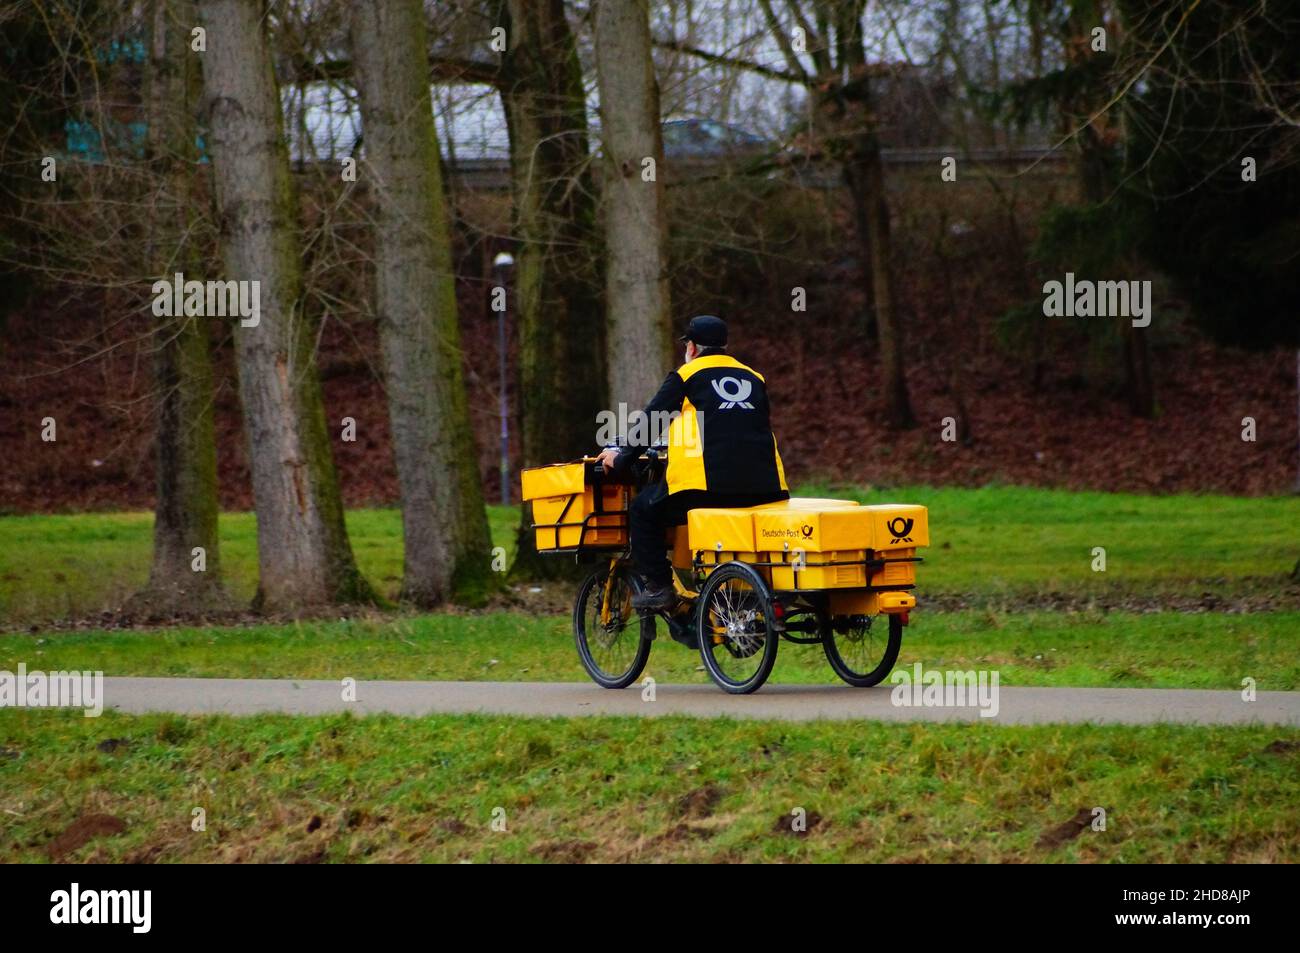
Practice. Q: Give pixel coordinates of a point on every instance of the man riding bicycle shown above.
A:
(721, 452)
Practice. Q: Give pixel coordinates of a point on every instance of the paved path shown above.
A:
(1136, 706)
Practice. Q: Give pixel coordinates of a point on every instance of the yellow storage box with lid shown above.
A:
(897, 529)
(569, 511)
(823, 546)
(720, 535)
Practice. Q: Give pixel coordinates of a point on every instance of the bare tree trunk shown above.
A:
(1097, 179)
(444, 524)
(186, 570)
(303, 551)
(1137, 371)
(558, 276)
(637, 296)
(864, 174)
(849, 106)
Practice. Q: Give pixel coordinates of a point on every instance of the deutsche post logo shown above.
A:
(734, 392)
(900, 526)
(807, 531)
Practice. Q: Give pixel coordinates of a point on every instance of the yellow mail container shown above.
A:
(721, 530)
(895, 572)
(819, 544)
(813, 529)
(565, 508)
(826, 543)
(721, 535)
(823, 542)
(836, 569)
(898, 526)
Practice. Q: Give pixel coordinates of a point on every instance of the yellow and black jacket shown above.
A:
(722, 442)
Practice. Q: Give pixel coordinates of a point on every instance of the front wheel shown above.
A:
(859, 655)
(613, 639)
(734, 619)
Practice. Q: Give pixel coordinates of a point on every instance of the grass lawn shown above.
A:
(282, 788)
(995, 542)
(1155, 650)
(278, 788)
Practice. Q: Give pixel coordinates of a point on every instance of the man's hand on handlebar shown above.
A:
(606, 458)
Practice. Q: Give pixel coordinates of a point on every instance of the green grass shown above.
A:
(278, 788)
(73, 565)
(1154, 650)
(993, 542)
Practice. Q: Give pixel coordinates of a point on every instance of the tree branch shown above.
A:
(441, 68)
(723, 60)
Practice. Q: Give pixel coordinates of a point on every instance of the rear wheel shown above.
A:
(734, 620)
(613, 639)
(859, 652)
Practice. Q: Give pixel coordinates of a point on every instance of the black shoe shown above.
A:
(656, 597)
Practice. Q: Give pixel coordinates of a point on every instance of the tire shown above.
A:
(615, 655)
(734, 624)
(854, 669)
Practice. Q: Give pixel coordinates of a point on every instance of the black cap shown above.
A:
(706, 330)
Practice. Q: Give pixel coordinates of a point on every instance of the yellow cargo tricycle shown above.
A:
(804, 570)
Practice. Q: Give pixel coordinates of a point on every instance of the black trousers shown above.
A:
(654, 510)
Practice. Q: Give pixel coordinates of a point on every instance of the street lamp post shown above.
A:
(501, 266)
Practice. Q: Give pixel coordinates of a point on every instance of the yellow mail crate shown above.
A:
(564, 503)
(895, 573)
(710, 558)
(814, 571)
(898, 526)
(830, 542)
(721, 530)
(814, 529)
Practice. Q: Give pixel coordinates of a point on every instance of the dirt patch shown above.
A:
(82, 831)
(564, 852)
(1247, 596)
(1252, 595)
(791, 824)
(149, 854)
(684, 831)
(699, 802)
(1063, 833)
(454, 826)
(112, 745)
(1283, 747)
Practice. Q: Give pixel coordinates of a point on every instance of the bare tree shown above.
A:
(303, 550)
(186, 567)
(637, 296)
(830, 63)
(444, 522)
(558, 281)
